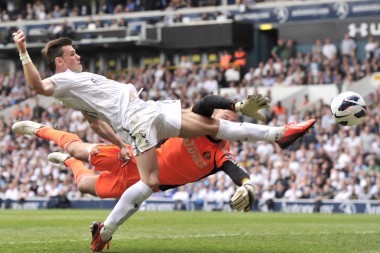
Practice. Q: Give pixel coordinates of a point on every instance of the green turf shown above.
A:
(67, 231)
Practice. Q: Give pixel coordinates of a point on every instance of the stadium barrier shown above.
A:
(277, 205)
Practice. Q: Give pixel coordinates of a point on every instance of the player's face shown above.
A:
(226, 115)
(71, 60)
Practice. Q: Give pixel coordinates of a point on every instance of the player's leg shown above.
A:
(115, 176)
(284, 136)
(195, 125)
(134, 196)
(226, 130)
(84, 178)
(67, 141)
(143, 120)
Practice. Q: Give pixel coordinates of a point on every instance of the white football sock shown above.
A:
(234, 131)
(127, 205)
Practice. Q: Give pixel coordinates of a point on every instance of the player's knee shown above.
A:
(153, 183)
(77, 152)
(83, 187)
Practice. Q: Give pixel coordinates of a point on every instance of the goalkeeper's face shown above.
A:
(69, 60)
(226, 115)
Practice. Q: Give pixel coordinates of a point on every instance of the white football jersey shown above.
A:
(97, 95)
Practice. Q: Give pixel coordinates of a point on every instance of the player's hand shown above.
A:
(125, 156)
(20, 40)
(251, 106)
(243, 197)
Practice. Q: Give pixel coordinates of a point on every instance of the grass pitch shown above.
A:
(67, 231)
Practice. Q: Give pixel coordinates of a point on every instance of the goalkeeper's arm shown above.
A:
(248, 107)
(245, 194)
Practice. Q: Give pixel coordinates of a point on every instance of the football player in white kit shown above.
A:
(111, 107)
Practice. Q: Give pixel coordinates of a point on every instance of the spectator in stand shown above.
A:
(289, 50)
(240, 60)
(210, 85)
(223, 195)
(299, 76)
(292, 193)
(17, 112)
(205, 16)
(249, 77)
(306, 101)
(347, 46)
(277, 51)
(56, 13)
(269, 79)
(122, 22)
(66, 29)
(376, 147)
(289, 79)
(182, 199)
(84, 10)
(185, 64)
(317, 50)
(376, 52)
(329, 50)
(39, 10)
(91, 25)
(232, 75)
(225, 60)
(279, 109)
(29, 12)
(220, 17)
(114, 23)
(178, 18)
(280, 82)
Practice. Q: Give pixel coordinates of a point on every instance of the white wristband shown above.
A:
(25, 58)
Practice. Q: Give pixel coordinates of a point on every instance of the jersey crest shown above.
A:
(206, 155)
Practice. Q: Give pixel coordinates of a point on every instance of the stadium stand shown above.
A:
(333, 162)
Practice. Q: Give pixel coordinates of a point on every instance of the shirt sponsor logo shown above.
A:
(193, 151)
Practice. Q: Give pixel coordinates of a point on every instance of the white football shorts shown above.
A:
(149, 122)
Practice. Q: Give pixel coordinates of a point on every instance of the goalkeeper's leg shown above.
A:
(67, 141)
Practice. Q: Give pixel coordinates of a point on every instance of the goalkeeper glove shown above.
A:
(252, 105)
(243, 197)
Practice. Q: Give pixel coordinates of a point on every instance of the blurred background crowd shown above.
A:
(332, 162)
(49, 9)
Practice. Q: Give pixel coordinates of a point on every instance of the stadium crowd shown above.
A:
(50, 9)
(333, 162)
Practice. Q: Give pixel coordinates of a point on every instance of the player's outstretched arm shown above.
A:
(249, 107)
(33, 78)
(208, 104)
(245, 194)
(106, 132)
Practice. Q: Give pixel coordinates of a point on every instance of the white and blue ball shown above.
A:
(348, 108)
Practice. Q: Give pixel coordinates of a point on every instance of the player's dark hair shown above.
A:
(53, 49)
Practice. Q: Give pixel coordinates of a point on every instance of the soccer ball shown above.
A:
(348, 108)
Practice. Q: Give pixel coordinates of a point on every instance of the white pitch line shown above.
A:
(126, 237)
